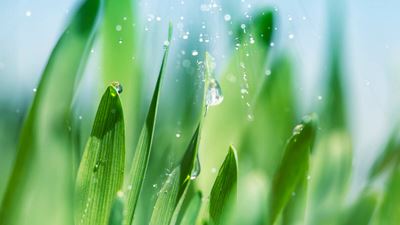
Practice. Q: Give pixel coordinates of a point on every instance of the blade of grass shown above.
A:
(293, 167)
(142, 153)
(192, 211)
(363, 210)
(121, 60)
(388, 158)
(223, 192)
(101, 171)
(177, 184)
(45, 134)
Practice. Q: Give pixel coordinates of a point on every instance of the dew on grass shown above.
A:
(297, 129)
(214, 93)
(117, 86)
(196, 169)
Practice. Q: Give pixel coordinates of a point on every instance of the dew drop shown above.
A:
(196, 169)
(195, 53)
(117, 86)
(291, 36)
(34, 90)
(166, 43)
(178, 135)
(268, 72)
(118, 28)
(297, 129)
(214, 93)
(227, 17)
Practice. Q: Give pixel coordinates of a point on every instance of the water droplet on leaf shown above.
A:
(196, 169)
(214, 93)
(117, 86)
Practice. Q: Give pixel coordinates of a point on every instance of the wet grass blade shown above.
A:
(176, 184)
(192, 211)
(223, 192)
(42, 170)
(293, 167)
(101, 171)
(142, 153)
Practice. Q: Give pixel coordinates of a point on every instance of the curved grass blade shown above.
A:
(45, 134)
(117, 210)
(388, 158)
(101, 171)
(223, 192)
(165, 205)
(293, 167)
(142, 153)
(363, 210)
(192, 211)
(176, 184)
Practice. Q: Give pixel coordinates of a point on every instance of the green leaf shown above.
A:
(101, 171)
(175, 186)
(177, 183)
(42, 171)
(362, 211)
(192, 211)
(388, 213)
(223, 192)
(117, 210)
(121, 60)
(293, 167)
(388, 158)
(142, 153)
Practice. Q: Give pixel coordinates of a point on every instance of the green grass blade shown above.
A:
(176, 184)
(223, 192)
(101, 171)
(42, 169)
(192, 211)
(117, 210)
(388, 158)
(293, 167)
(121, 60)
(142, 153)
(363, 210)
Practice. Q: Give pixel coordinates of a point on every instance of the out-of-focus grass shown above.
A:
(279, 176)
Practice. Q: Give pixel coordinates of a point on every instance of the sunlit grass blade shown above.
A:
(388, 212)
(295, 210)
(121, 60)
(388, 158)
(142, 153)
(274, 116)
(176, 184)
(192, 211)
(223, 192)
(293, 167)
(363, 210)
(101, 171)
(117, 210)
(42, 170)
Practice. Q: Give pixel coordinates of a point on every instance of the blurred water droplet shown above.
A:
(28, 13)
(154, 185)
(297, 129)
(166, 44)
(308, 177)
(272, 44)
(196, 169)
(291, 36)
(34, 90)
(293, 194)
(117, 86)
(195, 53)
(268, 72)
(129, 187)
(178, 135)
(320, 97)
(120, 194)
(214, 93)
(118, 28)
(213, 170)
(227, 17)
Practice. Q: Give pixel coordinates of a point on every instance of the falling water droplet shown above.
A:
(117, 86)
(196, 169)
(227, 17)
(297, 129)
(214, 93)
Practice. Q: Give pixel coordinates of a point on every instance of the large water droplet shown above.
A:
(117, 86)
(196, 169)
(214, 93)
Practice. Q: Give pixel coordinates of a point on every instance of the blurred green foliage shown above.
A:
(283, 173)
